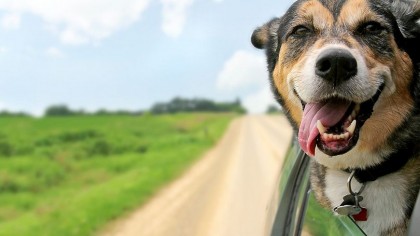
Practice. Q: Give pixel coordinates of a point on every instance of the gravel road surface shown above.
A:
(226, 193)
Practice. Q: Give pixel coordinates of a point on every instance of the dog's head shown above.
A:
(343, 71)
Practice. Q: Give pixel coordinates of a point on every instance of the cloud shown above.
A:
(76, 21)
(259, 101)
(54, 52)
(10, 21)
(242, 70)
(174, 15)
(246, 71)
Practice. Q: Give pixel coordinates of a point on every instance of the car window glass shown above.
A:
(320, 221)
(290, 161)
(292, 194)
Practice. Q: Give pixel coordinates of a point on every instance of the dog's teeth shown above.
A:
(353, 114)
(320, 127)
(334, 137)
(352, 127)
(346, 135)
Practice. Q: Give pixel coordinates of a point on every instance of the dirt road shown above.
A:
(226, 193)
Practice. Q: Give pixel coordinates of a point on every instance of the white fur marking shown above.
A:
(382, 198)
(354, 158)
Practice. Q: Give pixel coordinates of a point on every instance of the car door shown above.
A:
(298, 213)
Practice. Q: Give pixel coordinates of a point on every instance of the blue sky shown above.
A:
(129, 54)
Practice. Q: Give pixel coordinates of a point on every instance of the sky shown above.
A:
(130, 54)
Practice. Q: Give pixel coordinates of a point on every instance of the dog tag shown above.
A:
(351, 200)
(346, 210)
(361, 216)
(349, 206)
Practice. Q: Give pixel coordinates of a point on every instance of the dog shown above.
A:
(346, 73)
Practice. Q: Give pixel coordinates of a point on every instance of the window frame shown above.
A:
(294, 191)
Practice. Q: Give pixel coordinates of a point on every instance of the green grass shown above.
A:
(70, 176)
(322, 222)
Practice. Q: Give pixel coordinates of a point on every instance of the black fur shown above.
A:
(400, 14)
(377, 42)
(401, 20)
(333, 6)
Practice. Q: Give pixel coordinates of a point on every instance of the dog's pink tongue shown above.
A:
(329, 113)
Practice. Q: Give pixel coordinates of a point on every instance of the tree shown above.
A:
(196, 105)
(5, 113)
(58, 110)
(273, 109)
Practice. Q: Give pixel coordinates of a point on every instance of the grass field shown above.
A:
(321, 221)
(70, 176)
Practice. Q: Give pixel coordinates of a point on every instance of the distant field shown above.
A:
(71, 175)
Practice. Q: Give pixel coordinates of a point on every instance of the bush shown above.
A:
(99, 148)
(67, 137)
(6, 149)
(58, 110)
(142, 149)
(196, 105)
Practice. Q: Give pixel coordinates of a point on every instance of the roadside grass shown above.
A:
(72, 175)
(321, 221)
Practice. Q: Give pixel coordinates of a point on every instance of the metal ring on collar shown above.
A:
(349, 185)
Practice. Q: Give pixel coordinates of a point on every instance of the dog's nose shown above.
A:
(336, 65)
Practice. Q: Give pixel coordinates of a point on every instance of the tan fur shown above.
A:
(390, 111)
(280, 79)
(314, 12)
(310, 11)
(351, 17)
(295, 79)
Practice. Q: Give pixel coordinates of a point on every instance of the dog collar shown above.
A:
(392, 164)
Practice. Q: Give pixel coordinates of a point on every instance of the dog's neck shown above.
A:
(369, 166)
(390, 165)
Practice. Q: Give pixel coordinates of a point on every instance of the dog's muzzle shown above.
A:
(336, 103)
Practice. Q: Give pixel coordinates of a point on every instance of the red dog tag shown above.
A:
(362, 216)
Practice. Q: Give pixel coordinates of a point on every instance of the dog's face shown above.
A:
(342, 70)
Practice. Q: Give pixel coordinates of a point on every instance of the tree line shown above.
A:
(196, 105)
(175, 105)
(13, 114)
(64, 110)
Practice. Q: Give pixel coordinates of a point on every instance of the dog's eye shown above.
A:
(372, 28)
(301, 31)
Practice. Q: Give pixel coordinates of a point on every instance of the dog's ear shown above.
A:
(264, 34)
(407, 14)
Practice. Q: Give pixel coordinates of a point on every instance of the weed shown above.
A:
(75, 174)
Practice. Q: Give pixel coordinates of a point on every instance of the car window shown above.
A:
(321, 221)
(414, 228)
(292, 189)
(298, 213)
